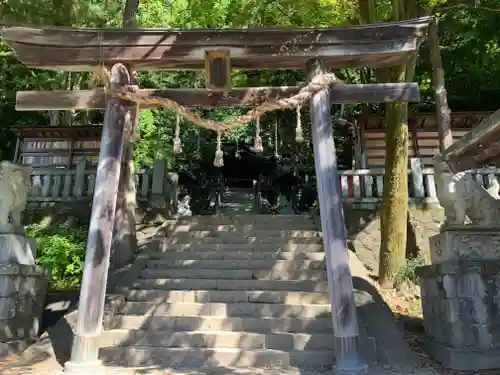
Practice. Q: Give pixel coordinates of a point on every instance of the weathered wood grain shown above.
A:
(478, 148)
(345, 325)
(117, 128)
(459, 120)
(146, 49)
(189, 58)
(239, 97)
(48, 133)
(63, 36)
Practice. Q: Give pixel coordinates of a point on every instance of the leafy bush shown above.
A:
(409, 272)
(62, 249)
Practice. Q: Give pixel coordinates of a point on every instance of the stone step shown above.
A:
(255, 310)
(247, 193)
(202, 323)
(179, 247)
(237, 238)
(239, 197)
(239, 190)
(239, 255)
(238, 200)
(217, 339)
(229, 207)
(241, 219)
(217, 232)
(202, 296)
(244, 228)
(235, 274)
(256, 221)
(237, 264)
(195, 358)
(217, 284)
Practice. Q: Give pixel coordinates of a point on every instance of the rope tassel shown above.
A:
(299, 134)
(177, 139)
(219, 155)
(257, 143)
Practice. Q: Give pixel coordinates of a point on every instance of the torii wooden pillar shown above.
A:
(345, 325)
(118, 123)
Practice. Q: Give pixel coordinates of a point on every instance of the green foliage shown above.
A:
(62, 249)
(408, 273)
(468, 37)
(155, 141)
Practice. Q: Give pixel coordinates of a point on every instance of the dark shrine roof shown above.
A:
(478, 148)
(59, 132)
(82, 49)
(428, 120)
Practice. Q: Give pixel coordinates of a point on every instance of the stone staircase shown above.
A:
(238, 201)
(241, 291)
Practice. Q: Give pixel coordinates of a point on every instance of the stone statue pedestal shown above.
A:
(460, 297)
(285, 206)
(23, 288)
(17, 248)
(465, 242)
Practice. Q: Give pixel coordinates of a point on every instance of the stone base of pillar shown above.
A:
(348, 353)
(94, 368)
(360, 369)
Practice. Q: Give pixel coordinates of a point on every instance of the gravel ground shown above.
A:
(46, 369)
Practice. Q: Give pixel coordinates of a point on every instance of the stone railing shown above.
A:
(59, 185)
(357, 186)
(366, 186)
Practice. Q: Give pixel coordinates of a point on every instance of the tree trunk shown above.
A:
(395, 195)
(394, 210)
(125, 236)
(68, 85)
(130, 14)
(442, 109)
(62, 17)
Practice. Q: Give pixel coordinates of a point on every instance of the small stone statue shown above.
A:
(462, 196)
(14, 188)
(184, 207)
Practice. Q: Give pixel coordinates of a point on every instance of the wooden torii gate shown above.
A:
(73, 49)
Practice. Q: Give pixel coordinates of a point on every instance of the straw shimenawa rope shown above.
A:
(318, 83)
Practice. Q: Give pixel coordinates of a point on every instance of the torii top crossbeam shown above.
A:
(82, 49)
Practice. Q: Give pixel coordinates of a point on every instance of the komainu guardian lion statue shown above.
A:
(462, 196)
(14, 188)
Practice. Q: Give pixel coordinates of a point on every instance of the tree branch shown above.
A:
(445, 9)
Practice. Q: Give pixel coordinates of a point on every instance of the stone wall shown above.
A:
(79, 213)
(22, 299)
(461, 306)
(363, 227)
